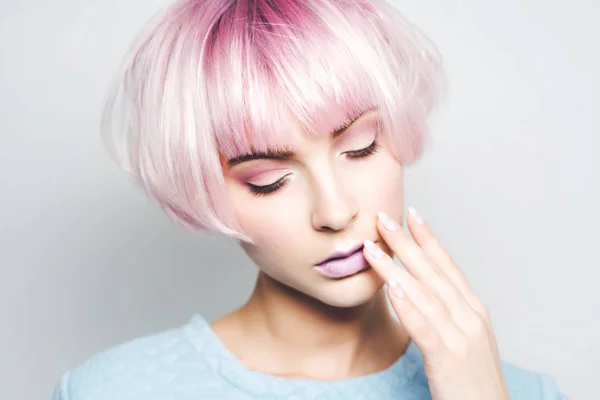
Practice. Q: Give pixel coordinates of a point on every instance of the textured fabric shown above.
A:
(192, 363)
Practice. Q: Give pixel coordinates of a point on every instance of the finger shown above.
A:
(427, 339)
(428, 241)
(413, 258)
(422, 267)
(385, 266)
(408, 288)
(425, 238)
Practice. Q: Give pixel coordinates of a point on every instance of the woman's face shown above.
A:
(324, 198)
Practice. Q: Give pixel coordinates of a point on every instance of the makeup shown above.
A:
(343, 264)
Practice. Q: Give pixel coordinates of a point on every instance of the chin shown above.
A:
(349, 292)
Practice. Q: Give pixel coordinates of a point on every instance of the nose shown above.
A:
(334, 209)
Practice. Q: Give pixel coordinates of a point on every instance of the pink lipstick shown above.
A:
(343, 264)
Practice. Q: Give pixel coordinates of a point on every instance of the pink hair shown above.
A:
(212, 78)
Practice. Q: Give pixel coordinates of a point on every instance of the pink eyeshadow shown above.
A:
(254, 172)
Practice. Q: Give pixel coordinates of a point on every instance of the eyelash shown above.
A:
(268, 189)
(367, 151)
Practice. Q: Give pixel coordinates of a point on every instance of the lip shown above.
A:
(343, 264)
(340, 254)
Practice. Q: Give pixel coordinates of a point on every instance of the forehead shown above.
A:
(292, 133)
(284, 131)
(289, 148)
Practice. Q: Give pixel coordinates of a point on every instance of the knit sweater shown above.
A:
(190, 362)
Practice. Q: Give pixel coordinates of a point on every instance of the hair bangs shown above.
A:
(318, 63)
(224, 78)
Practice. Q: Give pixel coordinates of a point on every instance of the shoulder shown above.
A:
(524, 384)
(159, 364)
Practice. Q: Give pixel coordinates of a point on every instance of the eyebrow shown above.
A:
(286, 154)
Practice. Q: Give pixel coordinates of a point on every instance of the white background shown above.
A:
(510, 183)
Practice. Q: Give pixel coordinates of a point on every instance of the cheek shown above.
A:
(384, 184)
(392, 188)
(270, 224)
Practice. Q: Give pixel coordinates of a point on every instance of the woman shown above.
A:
(286, 125)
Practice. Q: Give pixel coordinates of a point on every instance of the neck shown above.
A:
(303, 337)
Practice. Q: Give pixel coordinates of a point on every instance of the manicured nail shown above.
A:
(415, 214)
(387, 221)
(396, 289)
(373, 249)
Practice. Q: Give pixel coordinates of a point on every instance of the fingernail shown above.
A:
(387, 221)
(396, 289)
(373, 249)
(415, 214)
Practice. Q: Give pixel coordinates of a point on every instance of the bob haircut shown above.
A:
(208, 79)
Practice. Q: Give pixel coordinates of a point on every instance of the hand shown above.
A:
(433, 300)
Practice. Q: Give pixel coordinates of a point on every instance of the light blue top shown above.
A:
(191, 362)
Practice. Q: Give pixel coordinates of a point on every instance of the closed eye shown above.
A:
(266, 189)
(367, 151)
